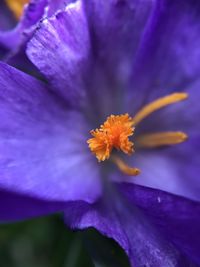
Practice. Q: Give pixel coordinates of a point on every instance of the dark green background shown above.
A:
(46, 242)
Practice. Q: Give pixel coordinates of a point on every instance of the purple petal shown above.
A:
(175, 170)
(14, 39)
(16, 207)
(100, 47)
(56, 6)
(121, 220)
(43, 145)
(176, 217)
(169, 57)
(6, 19)
(181, 116)
(60, 50)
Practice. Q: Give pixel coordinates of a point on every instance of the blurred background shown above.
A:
(46, 242)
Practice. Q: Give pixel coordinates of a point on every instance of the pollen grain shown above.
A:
(114, 133)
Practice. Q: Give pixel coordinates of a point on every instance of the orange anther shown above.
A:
(114, 133)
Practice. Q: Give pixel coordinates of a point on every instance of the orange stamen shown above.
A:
(117, 129)
(161, 139)
(124, 167)
(16, 6)
(158, 104)
(114, 133)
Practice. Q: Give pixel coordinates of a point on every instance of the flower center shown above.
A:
(16, 6)
(115, 132)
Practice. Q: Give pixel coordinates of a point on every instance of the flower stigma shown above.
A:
(116, 131)
(16, 6)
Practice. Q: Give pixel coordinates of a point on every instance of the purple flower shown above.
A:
(102, 58)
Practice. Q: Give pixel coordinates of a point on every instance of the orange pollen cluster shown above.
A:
(16, 6)
(114, 133)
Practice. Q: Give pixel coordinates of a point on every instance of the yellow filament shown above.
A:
(16, 6)
(158, 104)
(161, 139)
(124, 167)
(117, 129)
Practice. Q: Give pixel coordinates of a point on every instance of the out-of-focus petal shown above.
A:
(168, 58)
(43, 145)
(6, 19)
(16, 207)
(117, 28)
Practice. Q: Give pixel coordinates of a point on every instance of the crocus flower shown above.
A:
(126, 65)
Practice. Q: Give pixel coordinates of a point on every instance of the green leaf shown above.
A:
(43, 242)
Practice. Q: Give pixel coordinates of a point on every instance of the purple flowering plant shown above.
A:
(129, 69)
